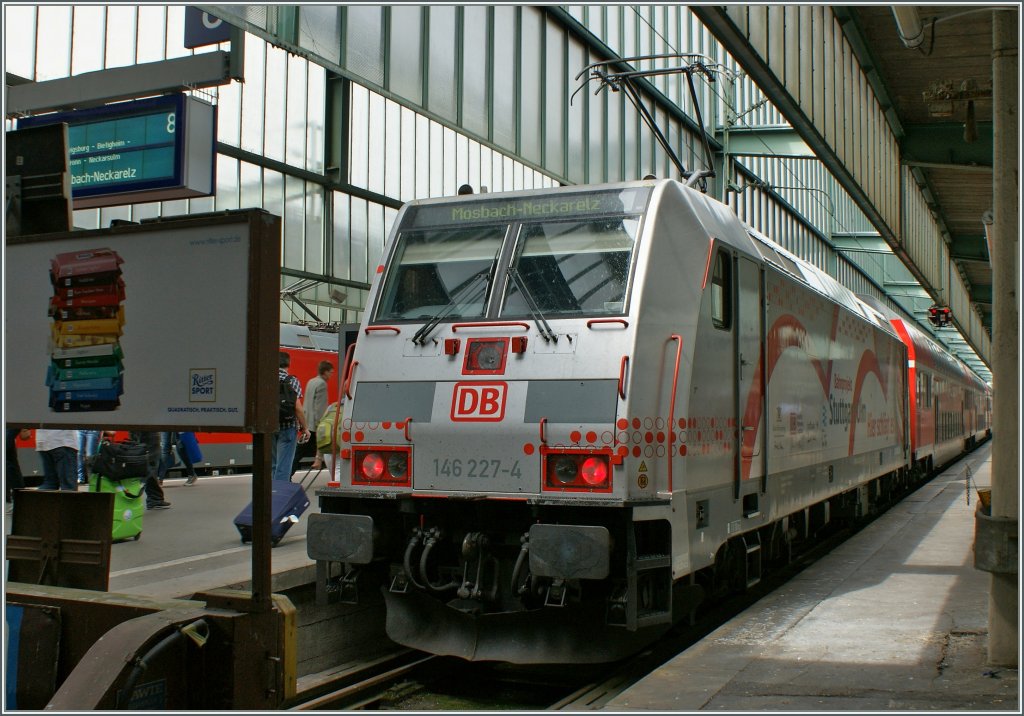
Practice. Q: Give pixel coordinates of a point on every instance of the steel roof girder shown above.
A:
(943, 144)
(766, 142)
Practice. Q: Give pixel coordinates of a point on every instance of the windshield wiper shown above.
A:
(542, 325)
(462, 294)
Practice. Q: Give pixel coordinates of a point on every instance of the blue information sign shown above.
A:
(202, 28)
(126, 148)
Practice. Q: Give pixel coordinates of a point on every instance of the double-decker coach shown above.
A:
(950, 406)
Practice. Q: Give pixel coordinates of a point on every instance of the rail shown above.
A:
(595, 321)
(623, 367)
(492, 324)
(348, 380)
(360, 685)
(345, 370)
(672, 406)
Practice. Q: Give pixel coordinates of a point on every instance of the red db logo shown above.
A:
(479, 402)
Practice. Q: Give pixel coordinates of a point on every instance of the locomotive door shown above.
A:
(750, 377)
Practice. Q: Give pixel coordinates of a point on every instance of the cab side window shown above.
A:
(721, 292)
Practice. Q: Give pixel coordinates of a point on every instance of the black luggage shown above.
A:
(120, 460)
(288, 501)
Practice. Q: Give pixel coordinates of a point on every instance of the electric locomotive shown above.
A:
(573, 414)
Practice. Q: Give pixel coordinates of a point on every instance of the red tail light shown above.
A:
(372, 466)
(382, 466)
(577, 471)
(594, 471)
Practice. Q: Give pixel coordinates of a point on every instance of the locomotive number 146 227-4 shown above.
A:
(479, 468)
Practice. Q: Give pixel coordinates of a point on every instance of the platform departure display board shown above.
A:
(145, 150)
(125, 150)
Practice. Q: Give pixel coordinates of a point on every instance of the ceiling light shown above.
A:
(908, 25)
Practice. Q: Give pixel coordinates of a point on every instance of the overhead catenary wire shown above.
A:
(612, 77)
(739, 117)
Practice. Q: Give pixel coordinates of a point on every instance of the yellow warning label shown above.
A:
(643, 466)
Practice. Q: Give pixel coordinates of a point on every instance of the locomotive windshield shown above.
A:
(568, 254)
(574, 268)
(442, 270)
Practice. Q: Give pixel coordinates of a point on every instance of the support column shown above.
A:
(1003, 627)
(262, 497)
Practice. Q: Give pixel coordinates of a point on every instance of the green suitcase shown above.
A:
(129, 504)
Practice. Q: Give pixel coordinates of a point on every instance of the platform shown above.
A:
(193, 546)
(896, 618)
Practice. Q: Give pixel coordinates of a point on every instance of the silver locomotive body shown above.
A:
(572, 414)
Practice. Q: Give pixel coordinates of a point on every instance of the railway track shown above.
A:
(412, 680)
(356, 685)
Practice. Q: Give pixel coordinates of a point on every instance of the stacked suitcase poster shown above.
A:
(86, 371)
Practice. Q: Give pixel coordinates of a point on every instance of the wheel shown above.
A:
(245, 541)
(136, 537)
(274, 541)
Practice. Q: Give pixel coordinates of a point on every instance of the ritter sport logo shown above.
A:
(202, 385)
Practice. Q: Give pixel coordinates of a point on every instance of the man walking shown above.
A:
(316, 405)
(291, 421)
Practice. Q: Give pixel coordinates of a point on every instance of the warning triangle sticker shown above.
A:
(643, 466)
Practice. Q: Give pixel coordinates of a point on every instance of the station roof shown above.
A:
(929, 91)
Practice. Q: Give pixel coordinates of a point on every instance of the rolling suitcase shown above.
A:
(129, 504)
(287, 503)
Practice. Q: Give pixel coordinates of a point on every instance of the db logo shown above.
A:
(479, 402)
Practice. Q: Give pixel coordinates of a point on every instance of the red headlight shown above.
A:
(383, 466)
(595, 471)
(372, 466)
(577, 472)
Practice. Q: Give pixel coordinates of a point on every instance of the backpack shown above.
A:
(286, 397)
(120, 461)
(325, 432)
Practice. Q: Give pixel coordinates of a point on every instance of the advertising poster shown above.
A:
(129, 328)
